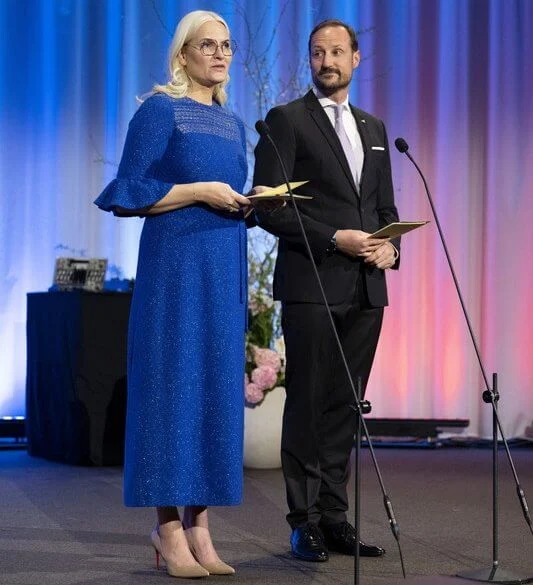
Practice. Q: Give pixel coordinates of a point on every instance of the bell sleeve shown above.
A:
(136, 186)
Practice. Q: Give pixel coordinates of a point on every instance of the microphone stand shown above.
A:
(263, 129)
(365, 409)
(494, 574)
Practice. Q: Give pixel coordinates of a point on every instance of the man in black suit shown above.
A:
(343, 152)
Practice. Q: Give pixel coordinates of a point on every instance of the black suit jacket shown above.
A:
(311, 150)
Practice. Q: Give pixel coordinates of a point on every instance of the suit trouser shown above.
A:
(318, 423)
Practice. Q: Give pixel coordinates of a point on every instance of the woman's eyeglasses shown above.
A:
(209, 47)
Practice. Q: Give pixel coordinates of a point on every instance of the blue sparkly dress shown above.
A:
(185, 405)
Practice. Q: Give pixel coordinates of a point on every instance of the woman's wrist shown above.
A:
(197, 192)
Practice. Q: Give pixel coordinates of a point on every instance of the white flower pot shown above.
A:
(262, 431)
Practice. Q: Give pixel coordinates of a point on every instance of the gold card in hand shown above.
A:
(280, 192)
(397, 228)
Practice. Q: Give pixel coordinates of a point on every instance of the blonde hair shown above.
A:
(179, 81)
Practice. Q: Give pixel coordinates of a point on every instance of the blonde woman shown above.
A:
(183, 168)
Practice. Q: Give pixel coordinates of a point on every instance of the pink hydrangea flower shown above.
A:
(253, 394)
(265, 377)
(267, 357)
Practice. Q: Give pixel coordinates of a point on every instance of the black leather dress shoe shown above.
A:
(307, 543)
(341, 538)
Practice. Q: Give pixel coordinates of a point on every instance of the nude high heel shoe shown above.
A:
(216, 568)
(185, 572)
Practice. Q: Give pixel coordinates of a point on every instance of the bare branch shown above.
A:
(158, 15)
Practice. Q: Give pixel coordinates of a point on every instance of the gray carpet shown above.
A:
(64, 525)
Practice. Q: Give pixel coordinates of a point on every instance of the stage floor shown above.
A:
(66, 525)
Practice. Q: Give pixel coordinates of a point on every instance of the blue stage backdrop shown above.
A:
(454, 77)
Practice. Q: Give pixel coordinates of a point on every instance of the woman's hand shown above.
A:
(219, 196)
(265, 206)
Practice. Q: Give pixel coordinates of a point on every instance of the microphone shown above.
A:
(492, 395)
(262, 128)
(401, 145)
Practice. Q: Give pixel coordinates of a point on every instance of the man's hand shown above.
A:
(384, 257)
(357, 243)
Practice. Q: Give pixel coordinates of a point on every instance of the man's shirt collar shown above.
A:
(326, 101)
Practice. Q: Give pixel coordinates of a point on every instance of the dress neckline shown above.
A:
(214, 104)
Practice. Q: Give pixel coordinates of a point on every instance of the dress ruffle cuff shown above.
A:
(127, 197)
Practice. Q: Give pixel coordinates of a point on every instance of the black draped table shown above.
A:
(76, 376)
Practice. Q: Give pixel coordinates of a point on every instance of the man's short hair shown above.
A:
(334, 22)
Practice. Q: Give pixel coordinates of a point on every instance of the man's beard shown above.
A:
(331, 85)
